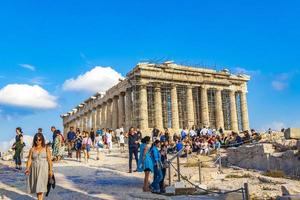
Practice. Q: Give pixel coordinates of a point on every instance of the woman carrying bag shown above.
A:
(39, 166)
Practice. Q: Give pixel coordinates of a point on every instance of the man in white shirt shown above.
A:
(204, 131)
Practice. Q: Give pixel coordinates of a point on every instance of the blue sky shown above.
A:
(48, 42)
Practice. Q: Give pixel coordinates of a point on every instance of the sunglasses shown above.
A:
(39, 140)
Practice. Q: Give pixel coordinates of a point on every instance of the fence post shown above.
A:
(178, 168)
(247, 197)
(170, 176)
(200, 178)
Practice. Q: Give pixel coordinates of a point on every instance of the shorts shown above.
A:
(147, 170)
(88, 148)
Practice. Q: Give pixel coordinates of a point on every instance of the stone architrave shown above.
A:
(143, 108)
(190, 107)
(158, 107)
(121, 109)
(204, 107)
(219, 110)
(244, 109)
(233, 112)
(174, 107)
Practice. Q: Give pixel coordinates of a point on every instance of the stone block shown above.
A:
(170, 190)
(292, 133)
(179, 184)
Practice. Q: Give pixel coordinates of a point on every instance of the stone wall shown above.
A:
(263, 157)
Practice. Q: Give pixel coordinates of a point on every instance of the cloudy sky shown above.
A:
(53, 55)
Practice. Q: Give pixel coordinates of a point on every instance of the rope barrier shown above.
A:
(239, 190)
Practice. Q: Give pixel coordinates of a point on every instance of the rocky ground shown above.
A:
(108, 179)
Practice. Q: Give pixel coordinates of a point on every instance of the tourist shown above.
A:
(167, 134)
(193, 132)
(145, 163)
(155, 133)
(184, 133)
(205, 147)
(71, 136)
(204, 131)
(19, 134)
(164, 161)
(86, 146)
(40, 130)
(18, 151)
(122, 142)
(99, 145)
(118, 132)
(78, 145)
(92, 136)
(109, 140)
(57, 151)
(179, 145)
(53, 130)
(139, 133)
(162, 137)
(39, 166)
(156, 159)
(133, 141)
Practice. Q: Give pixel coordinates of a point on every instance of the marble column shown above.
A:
(94, 119)
(143, 108)
(115, 113)
(103, 115)
(89, 120)
(121, 109)
(81, 123)
(158, 107)
(128, 109)
(219, 110)
(244, 110)
(98, 115)
(84, 121)
(109, 114)
(233, 112)
(190, 107)
(174, 107)
(204, 107)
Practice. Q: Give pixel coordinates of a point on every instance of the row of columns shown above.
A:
(158, 120)
(118, 111)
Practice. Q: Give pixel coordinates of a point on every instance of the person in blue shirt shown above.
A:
(156, 158)
(145, 163)
(179, 145)
(71, 136)
(183, 133)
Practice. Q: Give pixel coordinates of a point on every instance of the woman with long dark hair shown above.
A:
(39, 166)
(145, 163)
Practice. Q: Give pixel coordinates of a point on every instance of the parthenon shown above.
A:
(167, 95)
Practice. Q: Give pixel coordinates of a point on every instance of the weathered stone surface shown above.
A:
(289, 189)
(263, 157)
(284, 145)
(292, 133)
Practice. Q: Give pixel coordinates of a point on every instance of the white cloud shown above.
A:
(23, 95)
(99, 79)
(27, 66)
(279, 85)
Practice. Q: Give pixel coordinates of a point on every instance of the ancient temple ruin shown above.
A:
(167, 95)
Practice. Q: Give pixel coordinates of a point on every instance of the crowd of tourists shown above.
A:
(149, 152)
